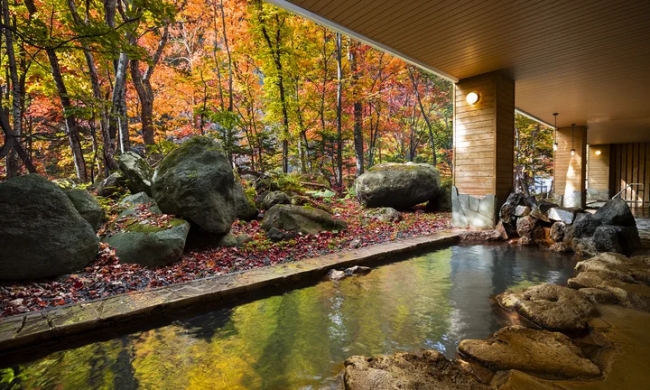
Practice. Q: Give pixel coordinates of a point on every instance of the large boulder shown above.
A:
(245, 208)
(275, 197)
(558, 230)
(87, 206)
(551, 306)
(537, 352)
(136, 171)
(526, 225)
(428, 370)
(195, 182)
(618, 239)
(142, 235)
(615, 212)
(300, 219)
(42, 234)
(584, 225)
(400, 186)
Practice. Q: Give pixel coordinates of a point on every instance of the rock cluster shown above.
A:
(611, 229)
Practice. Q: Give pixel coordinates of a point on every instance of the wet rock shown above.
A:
(584, 247)
(522, 211)
(542, 236)
(526, 225)
(42, 234)
(306, 220)
(525, 241)
(615, 212)
(357, 270)
(429, 370)
(334, 274)
(558, 230)
(384, 214)
(559, 247)
(551, 306)
(195, 182)
(506, 230)
(538, 352)
(619, 239)
(400, 186)
(136, 171)
(478, 236)
(87, 206)
(619, 267)
(560, 214)
(275, 197)
(598, 296)
(632, 295)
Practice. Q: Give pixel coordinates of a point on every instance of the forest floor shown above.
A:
(105, 276)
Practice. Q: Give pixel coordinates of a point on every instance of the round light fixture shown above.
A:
(472, 98)
(598, 152)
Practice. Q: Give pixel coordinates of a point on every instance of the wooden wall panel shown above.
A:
(484, 136)
(598, 169)
(630, 163)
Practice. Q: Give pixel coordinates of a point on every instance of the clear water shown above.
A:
(299, 340)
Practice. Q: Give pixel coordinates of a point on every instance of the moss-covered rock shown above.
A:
(195, 182)
(42, 234)
(246, 210)
(136, 171)
(87, 206)
(300, 219)
(143, 235)
(112, 186)
(400, 186)
(275, 197)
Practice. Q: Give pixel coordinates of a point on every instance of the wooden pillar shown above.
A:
(598, 173)
(571, 169)
(483, 149)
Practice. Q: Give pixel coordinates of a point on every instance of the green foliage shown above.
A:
(533, 150)
(325, 194)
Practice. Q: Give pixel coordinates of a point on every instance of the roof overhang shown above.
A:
(587, 60)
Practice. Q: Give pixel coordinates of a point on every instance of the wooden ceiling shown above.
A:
(588, 60)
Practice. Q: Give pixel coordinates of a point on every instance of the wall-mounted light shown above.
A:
(573, 130)
(598, 152)
(472, 98)
(555, 133)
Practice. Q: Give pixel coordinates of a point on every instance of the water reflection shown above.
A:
(298, 340)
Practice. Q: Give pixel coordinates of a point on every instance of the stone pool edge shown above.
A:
(46, 325)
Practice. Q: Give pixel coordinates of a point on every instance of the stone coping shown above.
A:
(55, 323)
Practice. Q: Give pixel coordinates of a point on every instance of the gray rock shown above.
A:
(276, 235)
(195, 182)
(42, 234)
(526, 226)
(428, 370)
(508, 211)
(561, 215)
(551, 306)
(384, 214)
(334, 274)
(584, 247)
(300, 219)
(142, 235)
(559, 247)
(584, 225)
(619, 239)
(230, 240)
(275, 197)
(245, 208)
(441, 200)
(558, 230)
(87, 206)
(522, 211)
(136, 171)
(400, 186)
(357, 270)
(615, 212)
(113, 185)
(536, 352)
(130, 204)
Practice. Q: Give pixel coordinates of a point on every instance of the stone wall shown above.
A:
(472, 211)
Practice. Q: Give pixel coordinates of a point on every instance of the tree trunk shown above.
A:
(118, 113)
(12, 161)
(339, 104)
(424, 115)
(358, 109)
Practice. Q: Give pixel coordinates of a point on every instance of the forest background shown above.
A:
(83, 81)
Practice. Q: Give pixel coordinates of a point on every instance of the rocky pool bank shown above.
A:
(591, 334)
